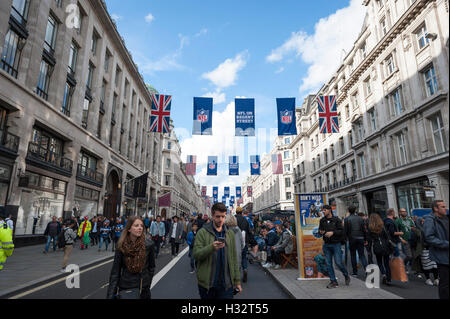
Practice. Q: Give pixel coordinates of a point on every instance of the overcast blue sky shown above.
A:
(225, 49)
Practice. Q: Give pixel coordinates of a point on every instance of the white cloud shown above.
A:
(322, 50)
(201, 32)
(281, 69)
(226, 73)
(149, 18)
(218, 96)
(116, 17)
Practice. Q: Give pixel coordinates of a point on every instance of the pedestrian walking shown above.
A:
(332, 230)
(393, 231)
(105, 235)
(406, 225)
(381, 246)
(9, 221)
(191, 241)
(157, 233)
(218, 274)
(436, 236)
(422, 262)
(200, 221)
(83, 233)
(355, 233)
(69, 237)
(175, 233)
(94, 232)
(134, 263)
(244, 226)
(239, 238)
(52, 231)
(118, 228)
(6, 240)
(147, 223)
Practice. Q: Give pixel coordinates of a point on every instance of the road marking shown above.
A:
(56, 281)
(167, 268)
(102, 287)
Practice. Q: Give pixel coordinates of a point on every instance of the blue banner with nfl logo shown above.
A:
(215, 193)
(226, 191)
(238, 192)
(245, 117)
(203, 109)
(286, 116)
(212, 165)
(255, 165)
(234, 165)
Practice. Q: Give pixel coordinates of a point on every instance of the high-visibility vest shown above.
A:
(6, 243)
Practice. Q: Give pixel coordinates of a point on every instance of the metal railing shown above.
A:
(49, 157)
(83, 171)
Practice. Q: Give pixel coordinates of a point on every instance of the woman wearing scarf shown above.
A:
(134, 263)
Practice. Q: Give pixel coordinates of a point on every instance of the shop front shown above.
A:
(350, 200)
(377, 201)
(5, 176)
(86, 201)
(41, 198)
(415, 193)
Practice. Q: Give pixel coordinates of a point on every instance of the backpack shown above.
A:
(381, 245)
(62, 239)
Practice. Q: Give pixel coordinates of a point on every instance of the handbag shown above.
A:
(133, 293)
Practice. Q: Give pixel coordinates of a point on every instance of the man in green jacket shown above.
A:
(217, 264)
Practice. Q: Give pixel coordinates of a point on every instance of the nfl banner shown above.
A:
(231, 200)
(255, 165)
(286, 116)
(215, 194)
(328, 116)
(249, 191)
(212, 165)
(234, 165)
(238, 192)
(277, 164)
(224, 200)
(226, 191)
(203, 109)
(204, 189)
(245, 117)
(160, 113)
(191, 165)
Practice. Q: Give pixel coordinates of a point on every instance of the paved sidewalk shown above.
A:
(29, 265)
(316, 289)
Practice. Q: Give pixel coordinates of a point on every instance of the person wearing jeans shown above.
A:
(69, 237)
(332, 230)
(105, 232)
(52, 231)
(157, 232)
(355, 232)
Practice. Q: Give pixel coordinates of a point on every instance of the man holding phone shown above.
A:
(218, 273)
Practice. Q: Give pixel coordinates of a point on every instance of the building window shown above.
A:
(288, 195)
(86, 162)
(325, 154)
(59, 3)
(85, 115)
(50, 35)
(367, 86)
(73, 59)
(117, 76)
(314, 165)
(364, 50)
(303, 167)
(384, 28)
(390, 65)
(287, 140)
(111, 135)
(350, 137)
(11, 53)
(344, 172)
(411, 195)
(347, 112)
(353, 169)
(287, 182)
(169, 145)
(438, 133)
(287, 167)
(360, 130)
(362, 164)
(107, 59)
(402, 148)
(168, 163)
(373, 119)
(103, 96)
(94, 42)
(430, 81)
(45, 72)
(332, 152)
(19, 10)
(342, 145)
(315, 185)
(67, 100)
(355, 100)
(421, 35)
(90, 76)
(286, 154)
(395, 102)
(113, 108)
(301, 149)
(99, 125)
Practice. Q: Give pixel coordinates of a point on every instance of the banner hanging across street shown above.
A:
(204, 190)
(249, 191)
(286, 116)
(234, 165)
(203, 111)
(215, 193)
(226, 191)
(255, 165)
(191, 165)
(277, 164)
(245, 117)
(160, 113)
(308, 212)
(231, 200)
(212, 165)
(164, 201)
(238, 192)
(328, 116)
(224, 200)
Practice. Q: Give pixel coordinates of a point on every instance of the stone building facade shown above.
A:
(393, 108)
(74, 110)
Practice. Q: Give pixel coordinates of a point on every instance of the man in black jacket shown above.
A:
(243, 226)
(332, 230)
(356, 235)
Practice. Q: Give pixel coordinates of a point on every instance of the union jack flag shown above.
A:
(160, 115)
(328, 116)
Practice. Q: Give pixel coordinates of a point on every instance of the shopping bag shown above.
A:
(398, 271)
